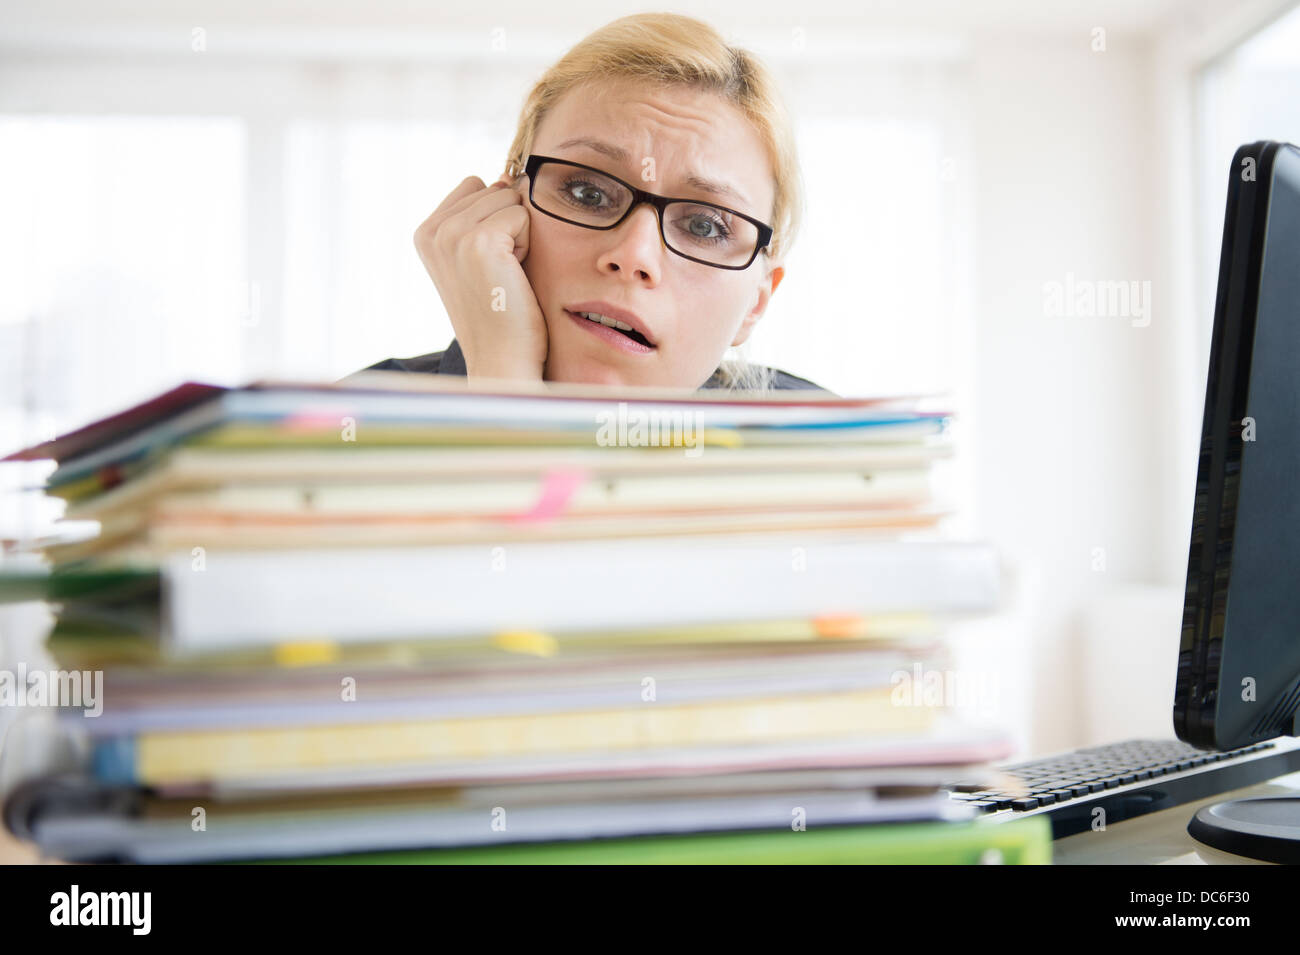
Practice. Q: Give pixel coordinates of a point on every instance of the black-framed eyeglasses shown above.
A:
(589, 197)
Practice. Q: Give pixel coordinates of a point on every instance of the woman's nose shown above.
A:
(639, 245)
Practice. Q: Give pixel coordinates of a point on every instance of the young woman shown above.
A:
(650, 196)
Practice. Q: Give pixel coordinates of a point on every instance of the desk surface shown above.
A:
(1161, 838)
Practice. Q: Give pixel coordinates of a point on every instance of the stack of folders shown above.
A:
(421, 618)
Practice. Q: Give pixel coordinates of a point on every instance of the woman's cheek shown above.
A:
(544, 259)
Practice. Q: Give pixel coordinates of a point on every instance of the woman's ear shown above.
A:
(771, 279)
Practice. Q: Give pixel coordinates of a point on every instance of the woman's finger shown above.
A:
(512, 221)
(468, 186)
(451, 224)
(478, 208)
(457, 200)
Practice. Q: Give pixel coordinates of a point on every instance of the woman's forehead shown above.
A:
(679, 136)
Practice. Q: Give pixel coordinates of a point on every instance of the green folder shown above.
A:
(1022, 841)
(74, 583)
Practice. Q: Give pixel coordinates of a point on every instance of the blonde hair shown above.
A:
(673, 50)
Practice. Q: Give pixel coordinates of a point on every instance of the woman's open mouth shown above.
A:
(628, 340)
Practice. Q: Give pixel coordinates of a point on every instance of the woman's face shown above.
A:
(691, 311)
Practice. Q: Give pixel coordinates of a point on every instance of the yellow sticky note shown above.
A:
(526, 641)
(303, 653)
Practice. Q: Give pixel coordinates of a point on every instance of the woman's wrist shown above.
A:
(510, 368)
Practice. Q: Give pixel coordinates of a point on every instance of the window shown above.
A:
(270, 231)
(123, 239)
(1246, 95)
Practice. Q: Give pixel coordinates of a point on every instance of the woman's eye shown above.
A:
(586, 195)
(703, 227)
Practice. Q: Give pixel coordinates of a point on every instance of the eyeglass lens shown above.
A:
(700, 230)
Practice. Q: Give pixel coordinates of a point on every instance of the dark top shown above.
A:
(452, 362)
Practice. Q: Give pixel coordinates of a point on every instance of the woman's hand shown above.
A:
(473, 247)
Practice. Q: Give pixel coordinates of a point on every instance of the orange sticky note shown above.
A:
(839, 626)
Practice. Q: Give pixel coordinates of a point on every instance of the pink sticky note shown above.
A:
(313, 421)
(558, 487)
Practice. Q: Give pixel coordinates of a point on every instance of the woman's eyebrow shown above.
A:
(619, 154)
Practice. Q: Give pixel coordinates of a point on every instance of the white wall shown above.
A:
(1087, 428)
(1066, 466)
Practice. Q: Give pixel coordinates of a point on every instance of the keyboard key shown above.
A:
(1083, 772)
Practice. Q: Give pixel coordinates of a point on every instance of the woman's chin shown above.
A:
(606, 380)
(588, 373)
